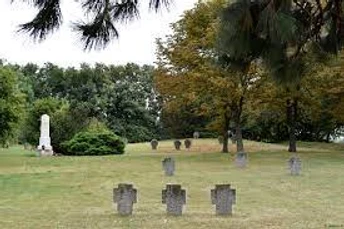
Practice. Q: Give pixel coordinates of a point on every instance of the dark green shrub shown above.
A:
(93, 143)
(65, 123)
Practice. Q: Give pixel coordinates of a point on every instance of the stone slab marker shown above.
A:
(154, 144)
(174, 197)
(125, 196)
(168, 165)
(241, 159)
(196, 135)
(223, 197)
(44, 147)
(187, 143)
(295, 165)
(177, 144)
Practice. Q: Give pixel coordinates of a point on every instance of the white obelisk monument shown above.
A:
(44, 147)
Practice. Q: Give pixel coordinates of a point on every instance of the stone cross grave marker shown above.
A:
(177, 144)
(168, 165)
(196, 135)
(44, 147)
(241, 159)
(295, 165)
(154, 144)
(174, 197)
(125, 196)
(187, 143)
(223, 197)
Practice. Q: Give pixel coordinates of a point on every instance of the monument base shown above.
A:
(45, 151)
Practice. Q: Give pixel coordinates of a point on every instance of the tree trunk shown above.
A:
(238, 135)
(238, 132)
(291, 117)
(225, 134)
(328, 137)
(225, 143)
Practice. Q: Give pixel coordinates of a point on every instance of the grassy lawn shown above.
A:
(76, 192)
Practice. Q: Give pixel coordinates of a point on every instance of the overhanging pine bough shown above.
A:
(96, 33)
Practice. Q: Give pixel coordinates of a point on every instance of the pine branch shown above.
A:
(95, 34)
(125, 11)
(48, 19)
(158, 4)
(99, 32)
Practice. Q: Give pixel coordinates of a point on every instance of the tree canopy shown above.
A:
(190, 71)
(11, 107)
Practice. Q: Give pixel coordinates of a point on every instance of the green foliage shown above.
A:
(94, 144)
(192, 72)
(268, 126)
(65, 123)
(131, 105)
(11, 107)
(280, 34)
(95, 126)
(182, 121)
(122, 97)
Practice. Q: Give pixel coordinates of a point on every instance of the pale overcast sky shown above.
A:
(135, 44)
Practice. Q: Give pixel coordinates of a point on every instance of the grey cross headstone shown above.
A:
(154, 144)
(295, 165)
(168, 166)
(223, 197)
(196, 135)
(125, 196)
(241, 159)
(177, 144)
(174, 197)
(187, 143)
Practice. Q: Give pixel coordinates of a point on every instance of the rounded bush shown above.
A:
(92, 143)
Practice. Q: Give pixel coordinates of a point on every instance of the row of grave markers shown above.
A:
(125, 195)
(45, 148)
(294, 164)
(223, 197)
(177, 144)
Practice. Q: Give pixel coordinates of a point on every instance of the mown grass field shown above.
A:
(76, 192)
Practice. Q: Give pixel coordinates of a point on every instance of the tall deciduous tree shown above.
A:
(282, 34)
(191, 70)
